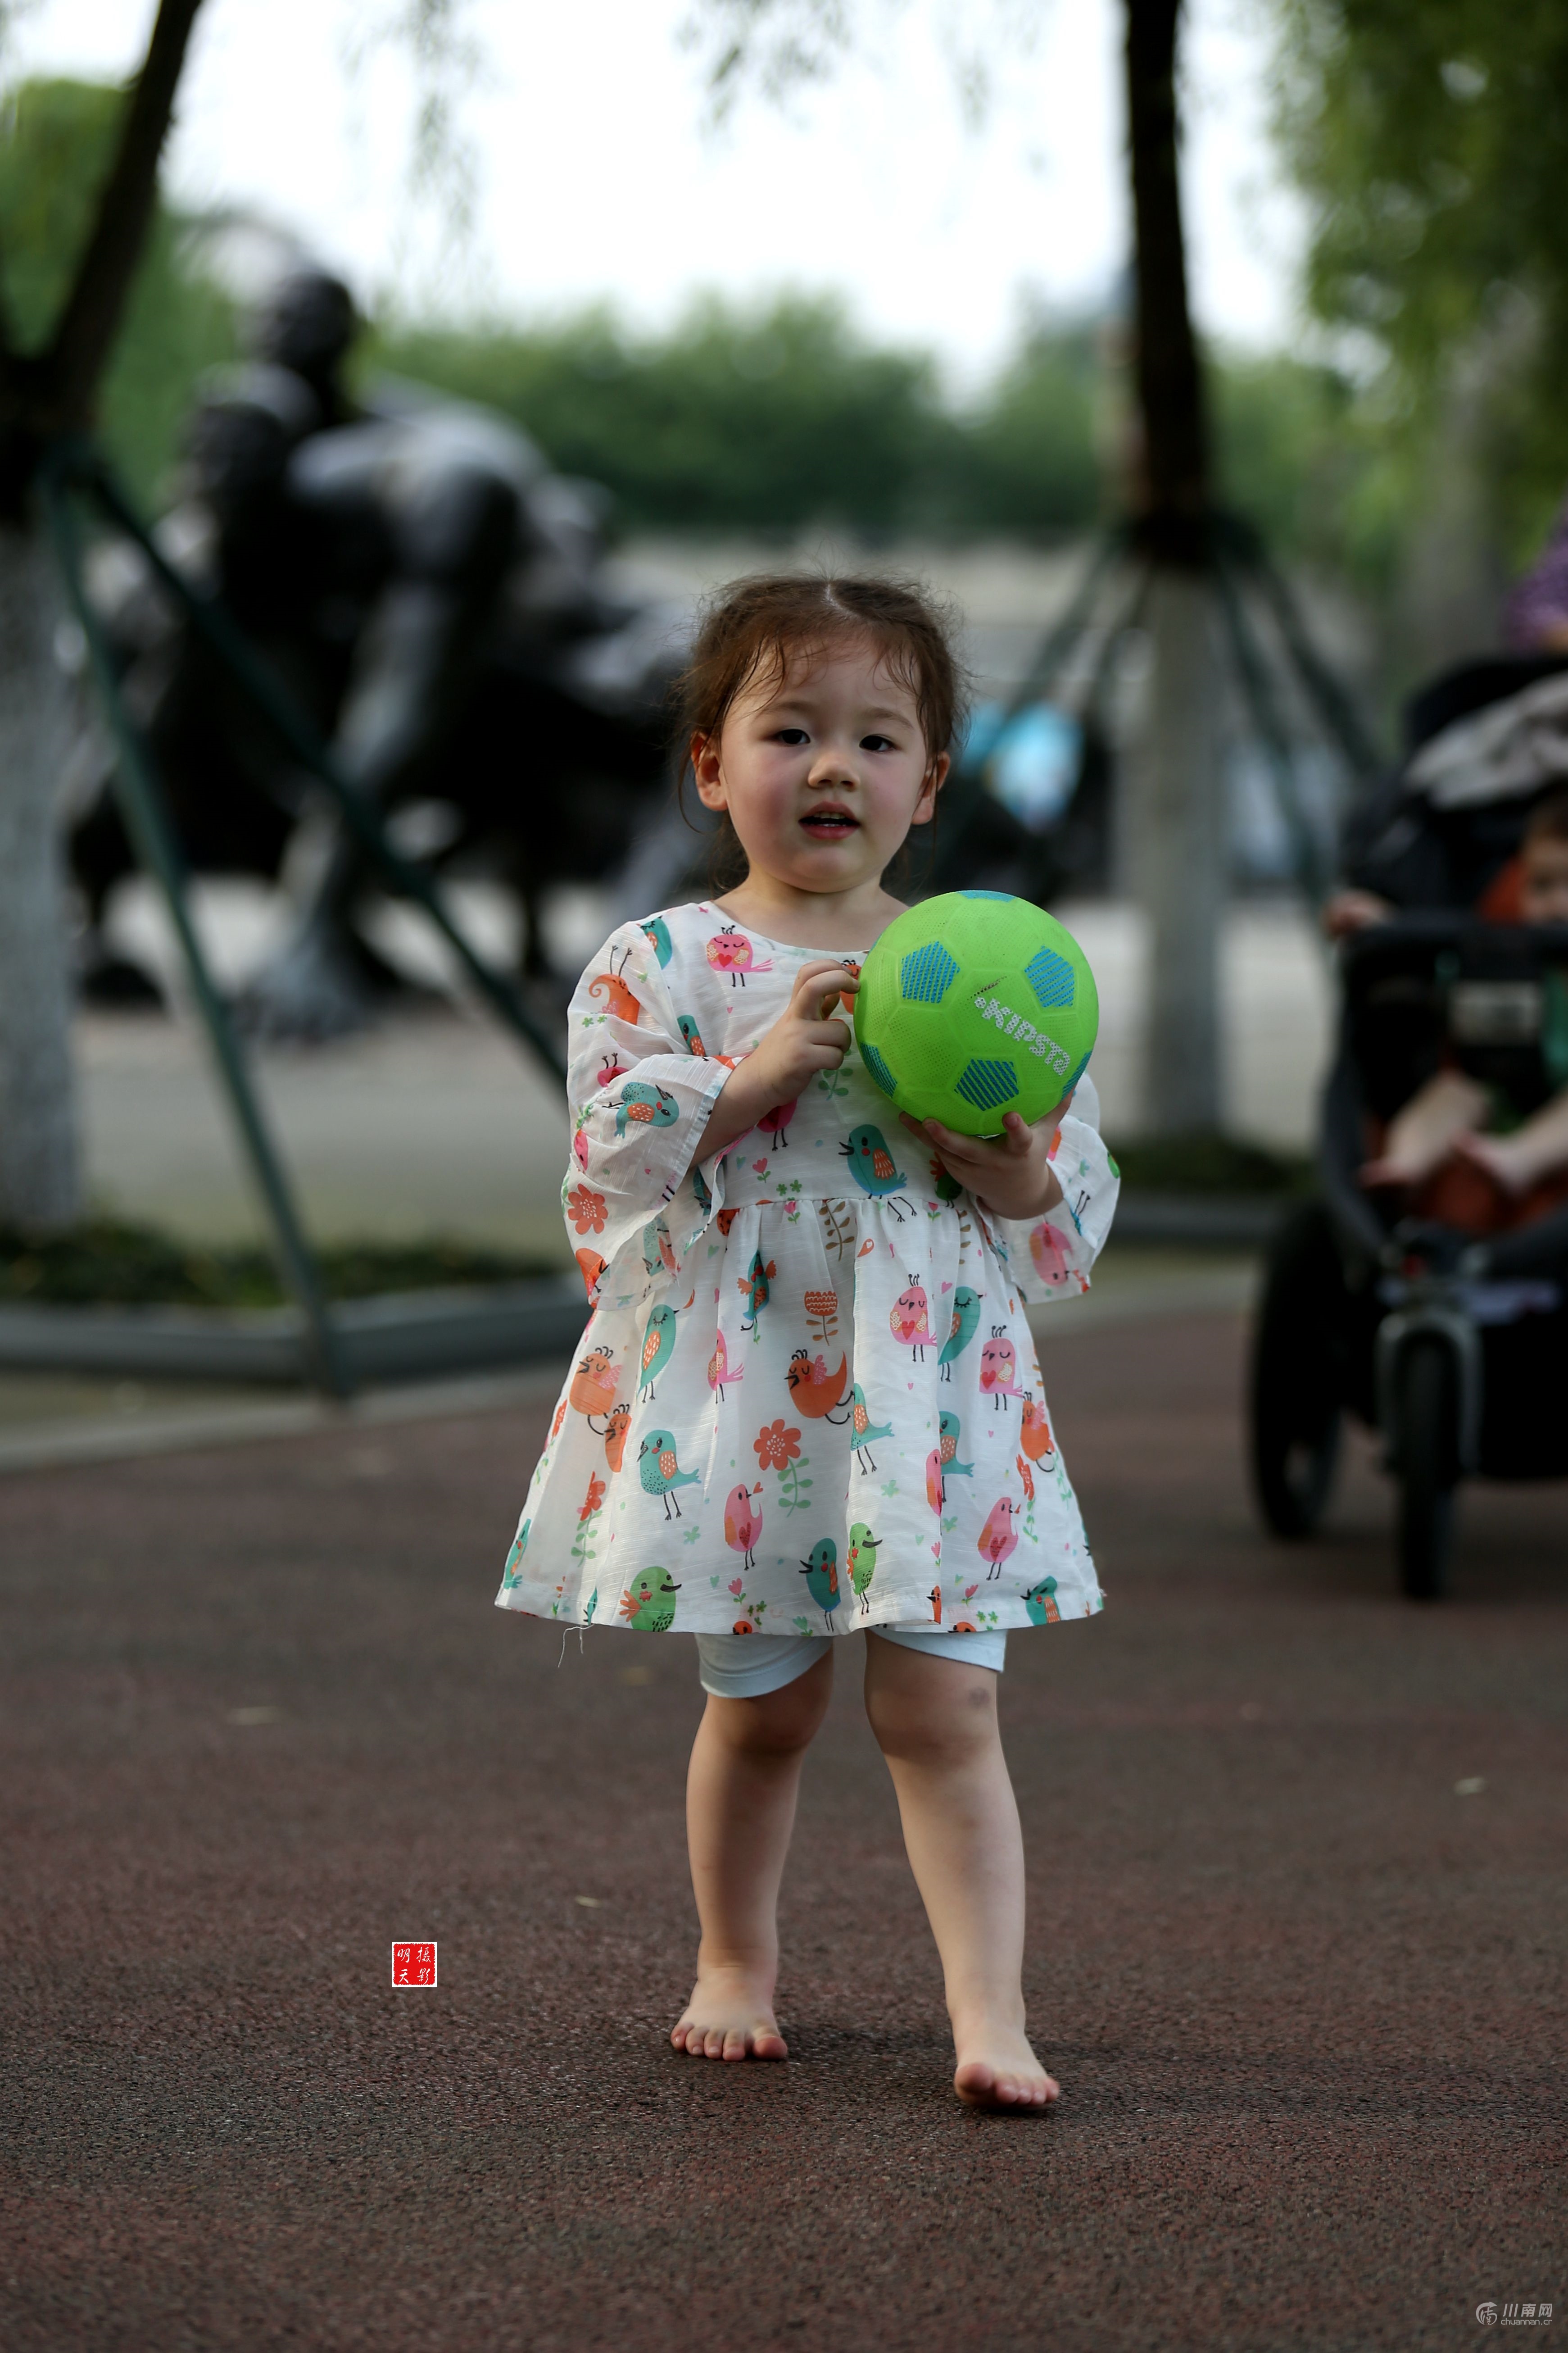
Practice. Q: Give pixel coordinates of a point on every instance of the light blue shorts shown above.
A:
(744, 1666)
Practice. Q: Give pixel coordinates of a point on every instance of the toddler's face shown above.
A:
(824, 771)
(1543, 891)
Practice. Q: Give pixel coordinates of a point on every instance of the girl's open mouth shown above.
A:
(829, 824)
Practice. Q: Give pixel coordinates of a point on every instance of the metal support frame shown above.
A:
(1236, 563)
(140, 792)
(74, 470)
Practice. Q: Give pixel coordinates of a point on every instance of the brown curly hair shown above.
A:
(752, 629)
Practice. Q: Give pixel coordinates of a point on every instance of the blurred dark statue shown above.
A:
(435, 599)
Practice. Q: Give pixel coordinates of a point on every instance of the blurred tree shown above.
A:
(50, 382)
(1431, 136)
(58, 143)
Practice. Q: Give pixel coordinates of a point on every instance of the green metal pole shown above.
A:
(142, 805)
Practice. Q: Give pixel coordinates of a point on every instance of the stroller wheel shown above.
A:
(1426, 1454)
(1295, 1384)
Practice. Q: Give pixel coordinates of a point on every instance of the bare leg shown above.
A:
(1539, 1149)
(739, 1811)
(935, 1720)
(1421, 1136)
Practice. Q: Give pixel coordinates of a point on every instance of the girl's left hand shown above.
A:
(1010, 1174)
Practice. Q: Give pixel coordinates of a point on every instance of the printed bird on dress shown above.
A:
(743, 1521)
(720, 1370)
(592, 1388)
(757, 1284)
(813, 1389)
(998, 1538)
(650, 1105)
(773, 1122)
(591, 1267)
(821, 1575)
(700, 1186)
(867, 1431)
(1040, 1601)
(962, 1330)
(658, 1344)
(657, 1249)
(1035, 1439)
(999, 1367)
(936, 1493)
(862, 1562)
(657, 932)
(615, 1430)
(648, 1603)
(873, 1167)
(908, 1319)
(661, 1473)
(686, 1025)
(952, 1430)
(1047, 1248)
(730, 951)
(934, 1597)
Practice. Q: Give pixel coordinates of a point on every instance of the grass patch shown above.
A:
(105, 1264)
(1211, 1164)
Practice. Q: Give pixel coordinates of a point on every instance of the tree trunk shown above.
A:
(1176, 857)
(1177, 836)
(41, 1185)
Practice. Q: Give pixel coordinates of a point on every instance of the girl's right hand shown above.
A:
(786, 1058)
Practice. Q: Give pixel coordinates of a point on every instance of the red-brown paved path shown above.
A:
(1306, 2002)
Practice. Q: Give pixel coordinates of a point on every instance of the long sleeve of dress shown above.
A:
(641, 1089)
(1051, 1256)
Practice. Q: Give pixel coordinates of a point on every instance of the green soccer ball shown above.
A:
(973, 1005)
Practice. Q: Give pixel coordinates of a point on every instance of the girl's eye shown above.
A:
(878, 744)
(789, 735)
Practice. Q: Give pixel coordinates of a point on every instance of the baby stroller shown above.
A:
(1452, 1345)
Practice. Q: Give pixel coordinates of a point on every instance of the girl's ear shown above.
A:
(931, 785)
(706, 767)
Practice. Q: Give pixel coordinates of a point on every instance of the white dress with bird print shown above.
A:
(807, 1399)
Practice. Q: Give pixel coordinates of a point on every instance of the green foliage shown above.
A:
(104, 1263)
(770, 421)
(1432, 136)
(56, 139)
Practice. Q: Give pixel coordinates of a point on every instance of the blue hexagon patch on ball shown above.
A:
(879, 1070)
(988, 1086)
(1051, 978)
(929, 973)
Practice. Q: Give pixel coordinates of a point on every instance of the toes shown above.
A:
(736, 2044)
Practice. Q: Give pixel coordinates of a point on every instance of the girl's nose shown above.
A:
(834, 764)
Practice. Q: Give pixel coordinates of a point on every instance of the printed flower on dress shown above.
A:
(586, 1209)
(775, 1445)
(821, 1306)
(592, 1501)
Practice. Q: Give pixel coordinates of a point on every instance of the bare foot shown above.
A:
(997, 2069)
(730, 2016)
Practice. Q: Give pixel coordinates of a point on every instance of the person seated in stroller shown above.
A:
(1453, 1127)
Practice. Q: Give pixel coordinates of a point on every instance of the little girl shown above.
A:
(808, 1401)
